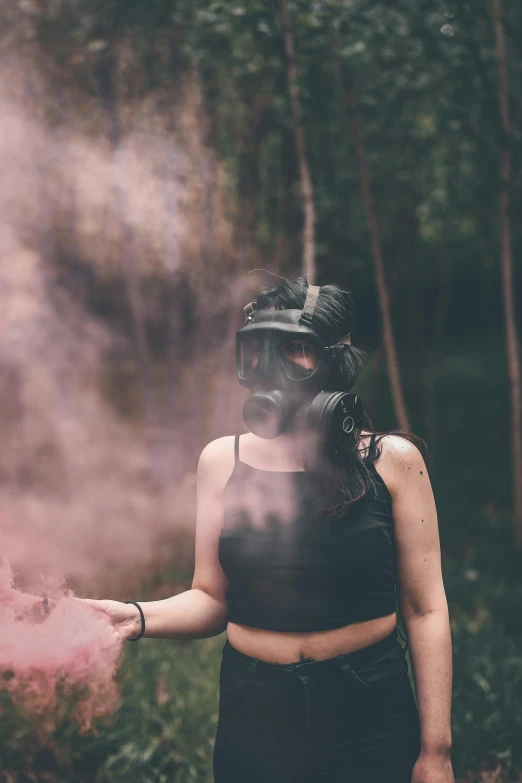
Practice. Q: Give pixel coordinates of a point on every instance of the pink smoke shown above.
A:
(49, 655)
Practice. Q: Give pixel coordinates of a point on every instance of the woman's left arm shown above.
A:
(423, 604)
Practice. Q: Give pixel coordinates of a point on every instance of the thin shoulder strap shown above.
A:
(236, 448)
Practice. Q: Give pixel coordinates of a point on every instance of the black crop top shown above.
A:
(290, 568)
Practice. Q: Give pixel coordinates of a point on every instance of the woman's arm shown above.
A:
(193, 614)
(201, 611)
(422, 598)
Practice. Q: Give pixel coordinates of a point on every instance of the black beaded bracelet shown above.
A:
(135, 638)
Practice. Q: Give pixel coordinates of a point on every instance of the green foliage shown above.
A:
(166, 724)
(164, 727)
(424, 76)
(425, 82)
(163, 730)
(486, 721)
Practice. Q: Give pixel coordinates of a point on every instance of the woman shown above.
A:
(306, 532)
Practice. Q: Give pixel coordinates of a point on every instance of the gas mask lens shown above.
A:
(298, 356)
(250, 348)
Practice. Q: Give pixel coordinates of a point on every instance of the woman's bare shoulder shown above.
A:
(397, 458)
(216, 461)
(218, 448)
(394, 446)
(399, 461)
(400, 449)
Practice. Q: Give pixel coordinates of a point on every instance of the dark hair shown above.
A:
(348, 478)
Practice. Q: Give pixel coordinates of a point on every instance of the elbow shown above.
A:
(215, 631)
(410, 615)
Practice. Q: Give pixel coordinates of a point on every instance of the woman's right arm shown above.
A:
(201, 611)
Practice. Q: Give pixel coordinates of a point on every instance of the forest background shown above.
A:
(152, 154)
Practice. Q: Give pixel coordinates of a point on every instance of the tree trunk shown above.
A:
(373, 225)
(308, 263)
(512, 346)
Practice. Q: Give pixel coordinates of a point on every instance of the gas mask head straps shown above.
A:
(306, 319)
(335, 351)
(309, 305)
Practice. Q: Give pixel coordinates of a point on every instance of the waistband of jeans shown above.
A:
(369, 653)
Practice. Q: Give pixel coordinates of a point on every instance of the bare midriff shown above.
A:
(289, 647)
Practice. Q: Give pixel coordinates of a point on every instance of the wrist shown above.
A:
(138, 620)
(439, 749)
(136, 628)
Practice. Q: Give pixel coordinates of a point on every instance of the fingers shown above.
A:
(98, 605)
(103, 608)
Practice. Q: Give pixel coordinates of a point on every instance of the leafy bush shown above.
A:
(162, 731)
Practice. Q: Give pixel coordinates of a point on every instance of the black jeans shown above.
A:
(348, 719)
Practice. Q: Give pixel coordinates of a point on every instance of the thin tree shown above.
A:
(307, 192)
(506, 260)
(376, 247)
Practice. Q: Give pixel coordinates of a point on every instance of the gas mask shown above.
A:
(286, 364)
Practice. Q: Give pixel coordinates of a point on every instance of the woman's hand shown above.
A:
(433, 768)
(125, 618)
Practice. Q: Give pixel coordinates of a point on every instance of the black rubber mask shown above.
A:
(286, 364)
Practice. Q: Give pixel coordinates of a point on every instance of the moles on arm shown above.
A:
(422, 597)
